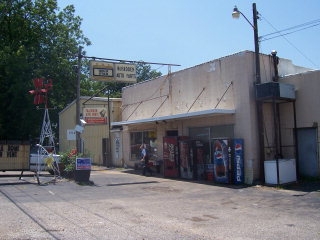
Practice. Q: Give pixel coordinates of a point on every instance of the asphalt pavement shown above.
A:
(122, 204)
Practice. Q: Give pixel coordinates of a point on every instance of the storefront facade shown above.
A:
(214, 100)
(194, 108)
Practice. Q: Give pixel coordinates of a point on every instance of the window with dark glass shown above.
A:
(139, 138)
(206, 134)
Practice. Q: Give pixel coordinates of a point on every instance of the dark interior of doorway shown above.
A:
(172, 133)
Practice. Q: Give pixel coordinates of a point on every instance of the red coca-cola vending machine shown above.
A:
(185, 159)
(197, 153)
(191, 158)
(170, 157)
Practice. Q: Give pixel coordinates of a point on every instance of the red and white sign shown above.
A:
(95, 115)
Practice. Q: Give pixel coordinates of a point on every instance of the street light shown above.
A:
(236, 14)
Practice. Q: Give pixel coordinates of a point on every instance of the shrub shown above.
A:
(68, 160)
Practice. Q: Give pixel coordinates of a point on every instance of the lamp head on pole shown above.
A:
(235, 13)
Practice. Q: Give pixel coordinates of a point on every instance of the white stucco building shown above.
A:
(213, 100)
(217, 99)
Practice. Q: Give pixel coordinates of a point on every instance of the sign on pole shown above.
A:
(113, 72)
(95, 115)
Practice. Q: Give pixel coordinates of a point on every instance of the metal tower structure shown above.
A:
(46, 146)
(46, 135)
(42, 87)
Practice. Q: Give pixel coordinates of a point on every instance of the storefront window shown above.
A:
(206, 134)
(138, 138)
(223, 131)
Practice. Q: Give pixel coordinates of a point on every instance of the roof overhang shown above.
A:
(210, 112)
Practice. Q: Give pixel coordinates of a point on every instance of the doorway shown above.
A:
(308, 152)
(106, 152)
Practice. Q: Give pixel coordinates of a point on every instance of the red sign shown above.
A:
(95, 115)
(96, 120)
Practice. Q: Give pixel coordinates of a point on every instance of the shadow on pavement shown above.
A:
(160, 175)
(301, 185)
(131, 183)
(304, 186)
(19, 182)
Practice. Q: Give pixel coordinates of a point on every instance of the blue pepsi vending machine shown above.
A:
(228, 160)
(221, 160)
(238, 162)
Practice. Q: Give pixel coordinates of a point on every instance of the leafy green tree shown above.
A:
(36, 40)
(144, 72)
(39, 40)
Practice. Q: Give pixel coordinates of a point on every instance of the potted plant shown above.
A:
(76, 166)
(67, 163)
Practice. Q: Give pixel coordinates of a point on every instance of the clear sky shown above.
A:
(191, 32)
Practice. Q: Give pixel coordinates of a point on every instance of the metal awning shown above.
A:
(210, 112)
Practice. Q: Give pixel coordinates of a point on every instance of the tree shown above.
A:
(36, 40)
(144, 72)
(39, 40)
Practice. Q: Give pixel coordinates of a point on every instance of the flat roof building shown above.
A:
(216, 100)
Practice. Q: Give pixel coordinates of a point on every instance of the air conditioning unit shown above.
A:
(275, 90)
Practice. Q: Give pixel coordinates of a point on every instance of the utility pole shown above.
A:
(78, 139)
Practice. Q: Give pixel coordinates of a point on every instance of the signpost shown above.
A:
(113, 72)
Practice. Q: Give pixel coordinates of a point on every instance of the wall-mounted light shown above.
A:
(83, 122)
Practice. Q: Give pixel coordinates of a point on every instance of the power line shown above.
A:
(305, 26)
(283, 32)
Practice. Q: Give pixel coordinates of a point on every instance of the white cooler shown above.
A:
(287, 171)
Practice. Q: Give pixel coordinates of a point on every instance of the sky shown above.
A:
(192, 32)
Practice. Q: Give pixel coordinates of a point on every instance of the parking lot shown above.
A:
(122, 204)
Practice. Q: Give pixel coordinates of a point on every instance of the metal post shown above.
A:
(109, 161)
(258, 81)
(78, 140)
(296, 139)
(276, 138)
(256, 42)
(259, 104)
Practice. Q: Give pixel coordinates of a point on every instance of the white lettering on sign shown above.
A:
(238, 167)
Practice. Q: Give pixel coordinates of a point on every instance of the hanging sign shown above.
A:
(113, 72)
(95, 115)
